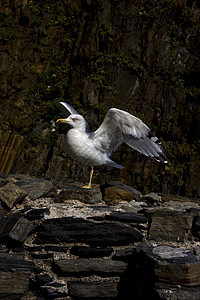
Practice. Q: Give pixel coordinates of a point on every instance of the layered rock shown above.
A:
(66, 248)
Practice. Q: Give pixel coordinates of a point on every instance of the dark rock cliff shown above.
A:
(135, 55)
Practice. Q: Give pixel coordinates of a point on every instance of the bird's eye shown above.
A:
(74, 119)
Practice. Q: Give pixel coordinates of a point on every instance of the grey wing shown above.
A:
(67, 110)
(120, 126)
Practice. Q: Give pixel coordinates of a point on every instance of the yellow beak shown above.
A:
(62, 121)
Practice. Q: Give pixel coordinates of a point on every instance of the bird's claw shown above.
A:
(86, 187)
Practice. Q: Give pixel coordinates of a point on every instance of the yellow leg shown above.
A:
(89, 186)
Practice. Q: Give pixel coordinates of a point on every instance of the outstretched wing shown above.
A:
(120, 126)
(67, 110)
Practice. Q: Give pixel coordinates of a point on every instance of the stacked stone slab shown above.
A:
(55, 246)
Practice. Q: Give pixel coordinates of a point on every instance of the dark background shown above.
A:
(140, 56)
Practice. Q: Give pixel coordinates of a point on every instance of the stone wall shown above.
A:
(59, 241)
(139, 56)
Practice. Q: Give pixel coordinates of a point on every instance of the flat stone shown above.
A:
(126, 217)
(14, 275)
(36, 188)
(78, 230)
(90, 252)
(10, 194)
(93, 290)
(172, 265)
(87, 267)
(89, 196)
(170, 226)
(15, 229)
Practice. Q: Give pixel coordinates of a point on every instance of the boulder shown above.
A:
(114, 195)
(115, 192)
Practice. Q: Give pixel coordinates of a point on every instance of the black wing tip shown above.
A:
(162, 161)
(162, 156)
(153, 138)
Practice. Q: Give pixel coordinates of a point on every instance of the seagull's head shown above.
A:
(75, 121)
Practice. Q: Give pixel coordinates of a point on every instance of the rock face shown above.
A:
(139, 56)
(65, 248)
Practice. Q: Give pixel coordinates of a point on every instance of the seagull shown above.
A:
(95, 148)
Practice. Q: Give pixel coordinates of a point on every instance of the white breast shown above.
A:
(82, 149)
